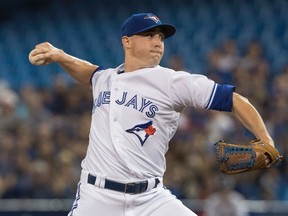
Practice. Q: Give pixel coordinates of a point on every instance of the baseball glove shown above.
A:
(237, 158)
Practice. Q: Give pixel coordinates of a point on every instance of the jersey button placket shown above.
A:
(115, 120)
(114, 114)
(114, 110)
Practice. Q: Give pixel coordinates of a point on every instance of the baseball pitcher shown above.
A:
(135, 111)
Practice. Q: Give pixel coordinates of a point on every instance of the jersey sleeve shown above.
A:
(97, 69)
(222, 98)
(194, 90)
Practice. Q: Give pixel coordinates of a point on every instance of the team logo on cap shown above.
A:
(152, 17)
(142, 131)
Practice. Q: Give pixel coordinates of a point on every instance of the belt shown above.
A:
(130, 188)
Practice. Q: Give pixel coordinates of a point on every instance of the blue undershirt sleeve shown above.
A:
(222, 98)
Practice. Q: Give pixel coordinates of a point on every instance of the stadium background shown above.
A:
(45, 116)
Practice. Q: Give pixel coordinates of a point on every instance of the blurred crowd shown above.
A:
(44, 133)
(44, 136)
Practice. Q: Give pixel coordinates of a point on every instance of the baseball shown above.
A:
(33, 59)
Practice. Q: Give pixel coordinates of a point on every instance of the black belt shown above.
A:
(131, 188)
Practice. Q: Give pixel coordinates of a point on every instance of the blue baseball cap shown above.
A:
(142, 22)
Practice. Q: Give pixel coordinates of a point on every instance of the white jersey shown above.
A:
(135, 115)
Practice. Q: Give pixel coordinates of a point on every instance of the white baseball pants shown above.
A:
(92, 200)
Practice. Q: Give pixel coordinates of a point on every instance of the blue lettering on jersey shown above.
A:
(103, 98)
(133, 102)
(123, 99)
(152, 111)
(145, 106)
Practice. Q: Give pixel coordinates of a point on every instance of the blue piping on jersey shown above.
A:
(212, 96)
(75, 203)
(97, 69)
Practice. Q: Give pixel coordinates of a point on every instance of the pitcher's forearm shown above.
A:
(250, 118)
(79, 69)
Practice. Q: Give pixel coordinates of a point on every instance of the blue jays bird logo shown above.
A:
(152, 17)
(142, 131)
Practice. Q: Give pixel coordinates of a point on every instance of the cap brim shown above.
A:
(167, 29)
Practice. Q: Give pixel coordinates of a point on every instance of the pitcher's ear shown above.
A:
(126, 42)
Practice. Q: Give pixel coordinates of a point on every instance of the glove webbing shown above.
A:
(230, 150)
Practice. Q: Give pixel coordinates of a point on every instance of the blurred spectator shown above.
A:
(8, 102)
(253, 56)
(223, 60)
(220, 127)
(176, 63)
(225, 201)
(252, 74)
